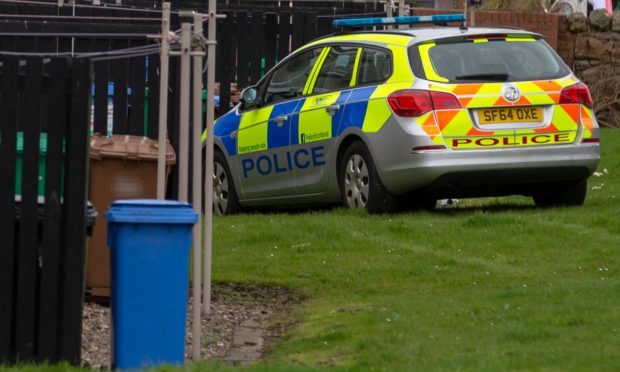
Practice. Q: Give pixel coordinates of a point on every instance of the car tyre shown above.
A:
(359, 181)
(565, 194)
(225, 199)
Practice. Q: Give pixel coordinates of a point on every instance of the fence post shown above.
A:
(8, 127)
(27, 254)
(51, 247)
(74, 208)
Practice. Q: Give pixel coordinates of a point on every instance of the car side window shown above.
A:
(337, 69)
(289, 79)
(375, 66)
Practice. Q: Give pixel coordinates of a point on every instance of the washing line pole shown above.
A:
(186, 35)
(197, 54)
(163, 100)
(211, 42)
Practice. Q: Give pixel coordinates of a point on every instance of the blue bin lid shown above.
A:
(151, 211)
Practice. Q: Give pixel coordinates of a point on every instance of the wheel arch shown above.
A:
(218, 146)
(346, 141)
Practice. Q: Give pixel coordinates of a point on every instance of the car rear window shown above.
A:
(482, 60)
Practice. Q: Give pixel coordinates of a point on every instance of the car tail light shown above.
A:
(444, 101)
(410, 103)
(414, 103)
(591, 140)
(577, 93)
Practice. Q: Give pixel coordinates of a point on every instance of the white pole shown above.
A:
(388, 10)
(186, 31)
(163, 100)
(197, 190)
(209, 157)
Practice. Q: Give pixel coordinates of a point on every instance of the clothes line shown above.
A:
(104, 6)
(78, 34)
(86, 18)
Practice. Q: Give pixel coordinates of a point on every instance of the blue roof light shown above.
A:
(359, 22)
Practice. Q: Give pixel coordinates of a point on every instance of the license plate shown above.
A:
(510, 115)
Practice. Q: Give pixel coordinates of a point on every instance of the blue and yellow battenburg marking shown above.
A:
(308, 120)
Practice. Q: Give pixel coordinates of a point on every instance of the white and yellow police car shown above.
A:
(381, 119)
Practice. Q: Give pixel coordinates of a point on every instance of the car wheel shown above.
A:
(360, 185)
(225, 199)
(562, 194)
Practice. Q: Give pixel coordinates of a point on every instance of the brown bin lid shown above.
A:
(128, 147)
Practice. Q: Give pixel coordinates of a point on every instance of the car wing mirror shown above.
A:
(249, 98)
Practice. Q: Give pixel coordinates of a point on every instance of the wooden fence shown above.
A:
(43, 229)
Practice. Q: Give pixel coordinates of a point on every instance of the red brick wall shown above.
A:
(547, 25)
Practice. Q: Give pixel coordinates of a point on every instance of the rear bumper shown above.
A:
(466, 169)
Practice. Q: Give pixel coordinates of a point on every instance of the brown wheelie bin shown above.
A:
(121, 167)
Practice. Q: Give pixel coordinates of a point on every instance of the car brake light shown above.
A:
(577, 93)
(591, 140)
(414, 103)
(488, 36)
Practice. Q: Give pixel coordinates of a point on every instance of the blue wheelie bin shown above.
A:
(149, 254)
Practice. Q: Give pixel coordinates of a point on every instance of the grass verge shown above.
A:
(493, 284)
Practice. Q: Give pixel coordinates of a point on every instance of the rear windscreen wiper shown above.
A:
(492, 76)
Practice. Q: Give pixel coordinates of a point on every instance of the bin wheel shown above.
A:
(225, 199)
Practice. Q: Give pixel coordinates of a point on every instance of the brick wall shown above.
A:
(544, 24)
(547, 25)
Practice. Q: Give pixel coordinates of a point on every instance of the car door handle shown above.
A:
(233, 134)
(331, 109)
(280, 120)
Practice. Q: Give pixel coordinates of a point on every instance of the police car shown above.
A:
(385, 119)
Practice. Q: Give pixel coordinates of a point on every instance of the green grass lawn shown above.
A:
(493, 284)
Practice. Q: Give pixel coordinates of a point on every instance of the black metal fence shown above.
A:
(44, 102)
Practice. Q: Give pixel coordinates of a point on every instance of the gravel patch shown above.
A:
(236, 311)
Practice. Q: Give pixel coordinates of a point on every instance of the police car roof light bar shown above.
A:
(405, 20)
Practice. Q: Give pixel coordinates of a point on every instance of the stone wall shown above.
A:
(591, 47)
